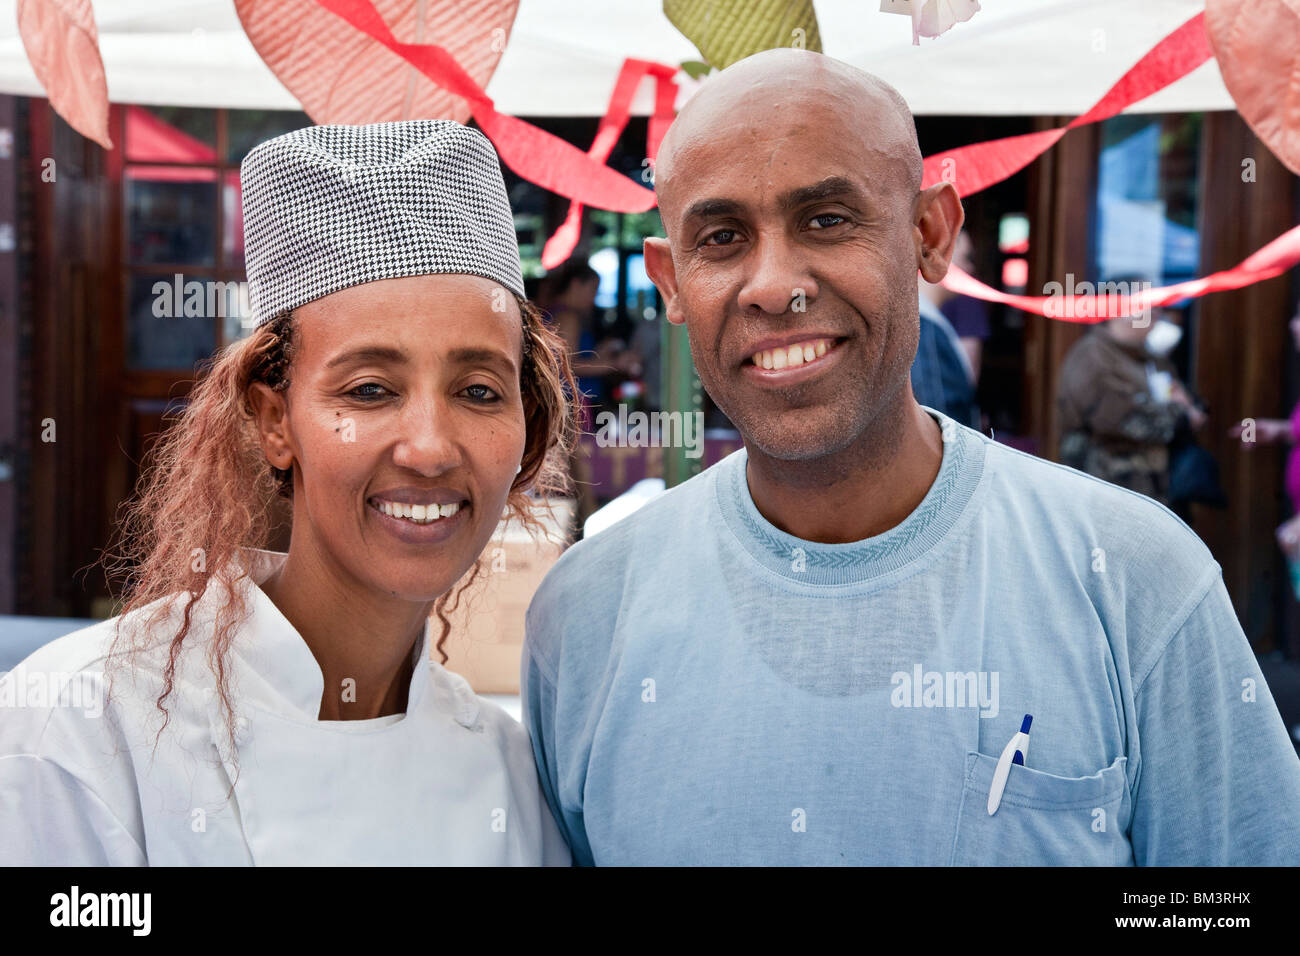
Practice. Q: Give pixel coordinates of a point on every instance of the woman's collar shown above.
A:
(282, 673)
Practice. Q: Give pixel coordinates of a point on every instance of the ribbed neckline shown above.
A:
(812, 563)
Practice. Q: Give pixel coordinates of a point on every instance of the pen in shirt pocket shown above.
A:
(1014, 752)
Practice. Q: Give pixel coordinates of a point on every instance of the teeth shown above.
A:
(417, 514)
(792, 355)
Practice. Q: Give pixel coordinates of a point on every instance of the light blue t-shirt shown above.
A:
(703, 688)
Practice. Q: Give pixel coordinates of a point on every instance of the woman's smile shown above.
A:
(427, 518)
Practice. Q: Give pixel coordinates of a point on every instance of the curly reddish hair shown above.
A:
(210, 487)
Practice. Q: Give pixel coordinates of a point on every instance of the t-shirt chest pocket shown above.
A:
(1043, 819)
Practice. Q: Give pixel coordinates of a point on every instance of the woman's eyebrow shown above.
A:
(481, 356)
(369, 353)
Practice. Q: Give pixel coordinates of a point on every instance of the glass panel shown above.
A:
(246, 128)
(169, 321)
(171, 214)
(170, 134)
(641, 292)
(1146, 198)
(528, 203)
(232, 221)
(234, 310)
(605, 262)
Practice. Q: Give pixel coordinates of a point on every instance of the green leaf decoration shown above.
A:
(695, 68)
(725, 31)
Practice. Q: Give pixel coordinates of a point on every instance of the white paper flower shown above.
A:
(931, 18)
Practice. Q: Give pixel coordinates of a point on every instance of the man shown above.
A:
(1122, 405)
(816, 650)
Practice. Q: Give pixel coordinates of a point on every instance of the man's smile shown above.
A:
(794, 359)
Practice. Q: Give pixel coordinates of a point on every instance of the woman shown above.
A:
(282, 708)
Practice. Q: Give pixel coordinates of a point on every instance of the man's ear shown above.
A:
(939, 220)
(659, 267)
(271, 413)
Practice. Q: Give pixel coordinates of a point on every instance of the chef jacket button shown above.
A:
(241, 730)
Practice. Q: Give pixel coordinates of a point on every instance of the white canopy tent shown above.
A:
(1015, 57)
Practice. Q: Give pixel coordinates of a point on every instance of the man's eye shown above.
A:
(481, 393)
(722, 237)
(828, 215)
(369, 391)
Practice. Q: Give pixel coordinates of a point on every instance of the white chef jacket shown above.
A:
(450, 782)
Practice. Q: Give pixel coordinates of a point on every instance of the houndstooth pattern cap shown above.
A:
(329, 207)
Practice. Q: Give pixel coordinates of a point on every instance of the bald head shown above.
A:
(789, 188)
(763, 96)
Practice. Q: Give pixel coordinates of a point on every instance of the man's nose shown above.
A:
(777, 280)
(427, 440)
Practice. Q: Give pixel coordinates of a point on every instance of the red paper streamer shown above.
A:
(980, 165)
(533, 153)
(561, 245)
(1266, 263)
(983, 164)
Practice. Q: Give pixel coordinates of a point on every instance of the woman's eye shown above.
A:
(368, 391)
(722, 237)
(481, 393)
(828, 215)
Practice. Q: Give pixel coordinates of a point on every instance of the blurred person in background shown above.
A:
(1122, 405)
(600, 366)
(569, 298)
(942, 378)
(968, 316)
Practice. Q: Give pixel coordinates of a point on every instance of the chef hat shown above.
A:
(329, 207)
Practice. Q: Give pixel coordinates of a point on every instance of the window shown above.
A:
(183, 250)
(1146, 199)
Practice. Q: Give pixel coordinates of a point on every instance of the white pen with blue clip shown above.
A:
(1014, 752)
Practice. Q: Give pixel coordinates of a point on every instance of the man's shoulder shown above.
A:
(668, 515)
(591, 576)
(1043, 497)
